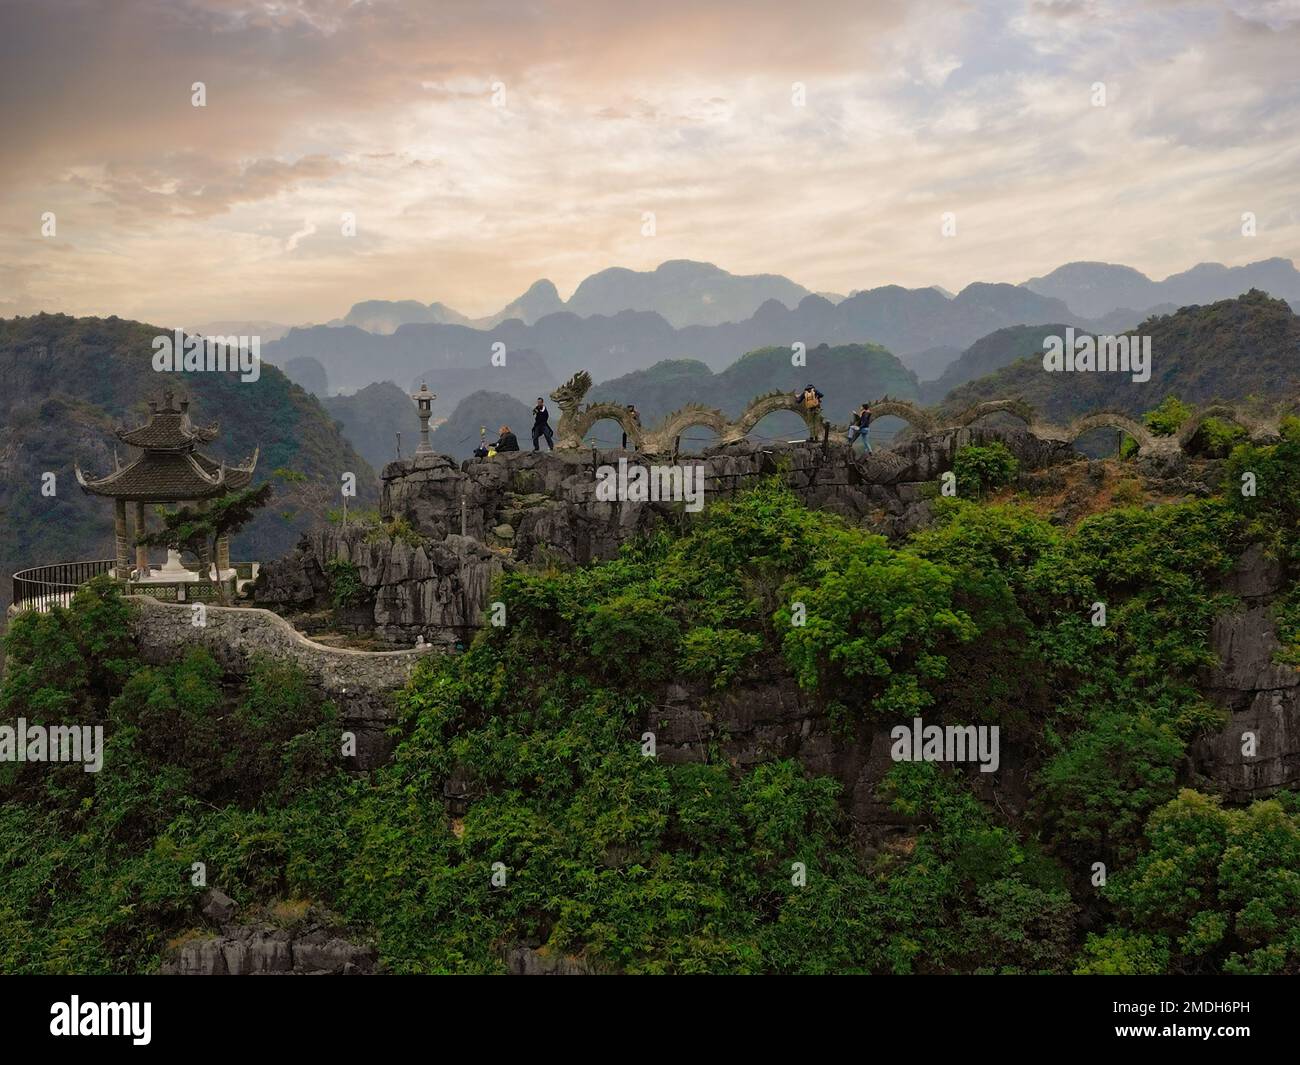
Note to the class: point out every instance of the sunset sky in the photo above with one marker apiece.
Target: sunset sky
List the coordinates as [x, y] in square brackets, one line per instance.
[179, 215]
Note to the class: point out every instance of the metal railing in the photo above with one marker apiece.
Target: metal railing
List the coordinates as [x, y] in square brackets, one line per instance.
[43, 587]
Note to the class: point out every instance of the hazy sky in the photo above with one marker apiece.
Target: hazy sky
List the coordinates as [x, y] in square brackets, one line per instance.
[178, 214]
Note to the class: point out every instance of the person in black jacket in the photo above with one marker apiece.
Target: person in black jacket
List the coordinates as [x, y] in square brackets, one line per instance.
[542, 426]
[507, 440]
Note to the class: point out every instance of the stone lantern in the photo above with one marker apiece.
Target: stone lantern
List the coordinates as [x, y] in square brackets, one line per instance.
[424, 401]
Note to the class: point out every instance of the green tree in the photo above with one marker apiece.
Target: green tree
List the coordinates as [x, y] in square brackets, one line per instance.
[197, 531]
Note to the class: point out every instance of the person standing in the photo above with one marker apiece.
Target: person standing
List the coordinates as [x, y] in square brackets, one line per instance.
[859, 427]
[634, 418]
[542, 426]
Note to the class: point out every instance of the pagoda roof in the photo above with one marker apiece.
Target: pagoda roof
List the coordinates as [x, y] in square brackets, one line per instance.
[168, 468]
[170, 477]
[168, 429]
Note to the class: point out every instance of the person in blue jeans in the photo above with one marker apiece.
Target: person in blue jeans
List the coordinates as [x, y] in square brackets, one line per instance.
[859, 427]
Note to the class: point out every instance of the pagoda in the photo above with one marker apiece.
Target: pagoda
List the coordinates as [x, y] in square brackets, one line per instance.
[169, 470]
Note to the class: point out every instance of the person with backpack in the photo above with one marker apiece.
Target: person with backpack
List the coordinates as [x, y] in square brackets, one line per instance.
[542, 426]
[859, 425]
[810, 399]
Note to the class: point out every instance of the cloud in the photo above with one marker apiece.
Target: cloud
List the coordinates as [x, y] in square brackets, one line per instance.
[384, 110]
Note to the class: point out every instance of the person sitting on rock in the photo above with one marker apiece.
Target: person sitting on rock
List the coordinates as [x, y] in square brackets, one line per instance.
[542, 426]
[506, 441]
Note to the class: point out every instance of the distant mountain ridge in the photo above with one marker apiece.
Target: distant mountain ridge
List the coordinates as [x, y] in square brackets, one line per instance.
[903, 320]
[1231, 350]
[683, 292]
[1093, 289]
[372, 419]
[988, 355]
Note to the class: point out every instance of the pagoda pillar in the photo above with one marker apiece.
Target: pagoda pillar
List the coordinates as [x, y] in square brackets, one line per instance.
[123, 563]
[141, 551]
[223, 555]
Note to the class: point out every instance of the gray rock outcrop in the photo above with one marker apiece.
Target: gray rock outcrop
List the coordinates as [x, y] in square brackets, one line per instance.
[1258, 751]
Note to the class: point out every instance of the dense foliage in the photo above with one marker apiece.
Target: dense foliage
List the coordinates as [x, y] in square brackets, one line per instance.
[643, 863]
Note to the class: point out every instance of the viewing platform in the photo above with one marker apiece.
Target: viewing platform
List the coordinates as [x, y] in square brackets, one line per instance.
[43, 587]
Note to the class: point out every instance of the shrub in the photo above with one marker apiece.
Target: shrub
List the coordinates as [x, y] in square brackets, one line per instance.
[985, 467]
[1168, 418]
[1128, 492]
[346, 587]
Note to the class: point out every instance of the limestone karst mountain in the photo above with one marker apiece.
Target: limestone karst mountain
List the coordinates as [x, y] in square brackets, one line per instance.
[1094, 289]
[903, 320]
[371, 419]
[460, 434]
[1236, 349]
[988, 355]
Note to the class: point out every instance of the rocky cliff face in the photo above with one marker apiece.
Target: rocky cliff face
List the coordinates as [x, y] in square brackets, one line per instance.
[433, 589]
[541, 507]
[1258, 751]
[301, 941]
[543, 504]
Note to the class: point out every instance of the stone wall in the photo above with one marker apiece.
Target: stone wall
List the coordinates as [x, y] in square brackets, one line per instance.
[360, 683]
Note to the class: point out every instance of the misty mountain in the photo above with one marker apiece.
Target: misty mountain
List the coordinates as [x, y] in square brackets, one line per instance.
[932, 362]
[540, 300]
[372, 418]
[385, 316]
[903, 320]
[268, 331]
[1230, 350]
[1094, 289]
[309, 375]
[683, 292]
[989, 354]
[524, 376]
